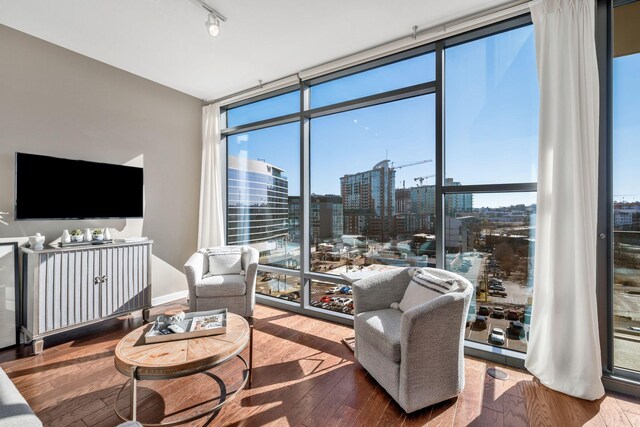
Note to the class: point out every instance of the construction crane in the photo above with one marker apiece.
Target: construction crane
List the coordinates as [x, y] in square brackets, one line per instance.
[419, 162]
[422, 178]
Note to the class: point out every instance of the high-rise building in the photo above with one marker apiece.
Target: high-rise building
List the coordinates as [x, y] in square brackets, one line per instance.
[295, 214]
[326, 216]
[415, 208]
[369, 201]
[626, 215]
[457, 203]
[258, 205]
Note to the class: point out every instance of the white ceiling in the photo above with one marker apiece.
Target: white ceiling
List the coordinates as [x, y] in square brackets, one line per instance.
[165, 40]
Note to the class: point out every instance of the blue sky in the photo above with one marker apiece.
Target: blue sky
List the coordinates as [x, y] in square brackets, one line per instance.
[491, 122]
[626, 128]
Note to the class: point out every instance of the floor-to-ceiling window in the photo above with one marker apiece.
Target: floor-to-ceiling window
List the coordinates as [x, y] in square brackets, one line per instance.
[490, 152]
[263, 189]
[372, 192]
[626, 187]
[393, 164]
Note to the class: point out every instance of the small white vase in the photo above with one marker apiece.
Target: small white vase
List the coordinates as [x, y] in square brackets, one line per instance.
[107, 235]
[66, 238]
[87, 235]
[37, 242]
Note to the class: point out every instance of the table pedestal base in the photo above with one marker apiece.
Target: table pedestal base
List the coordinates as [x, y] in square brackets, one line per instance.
[133, 385]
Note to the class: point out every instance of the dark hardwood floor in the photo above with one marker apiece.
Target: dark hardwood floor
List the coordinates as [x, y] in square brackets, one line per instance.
[303, 376]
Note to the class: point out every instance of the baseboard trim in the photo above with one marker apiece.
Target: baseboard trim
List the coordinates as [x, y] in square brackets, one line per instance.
[169, 298]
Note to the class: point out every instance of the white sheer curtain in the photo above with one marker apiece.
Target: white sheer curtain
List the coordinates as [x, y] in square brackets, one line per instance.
[211, 224]
[564, 348]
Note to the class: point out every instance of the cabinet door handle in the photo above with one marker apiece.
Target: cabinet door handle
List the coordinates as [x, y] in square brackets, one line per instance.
[103, 279]
[97, 280]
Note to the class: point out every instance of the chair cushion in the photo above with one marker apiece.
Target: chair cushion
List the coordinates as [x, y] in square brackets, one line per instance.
[424, 287]
[225, 285]
[381, 329]
[225, 260]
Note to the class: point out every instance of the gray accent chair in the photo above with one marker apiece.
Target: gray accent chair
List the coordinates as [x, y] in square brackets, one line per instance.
[235, 292]
[14, 410]
[416, 356]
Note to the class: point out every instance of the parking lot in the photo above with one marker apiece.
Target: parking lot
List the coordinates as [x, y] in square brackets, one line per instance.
[324, 295]
[516, 294]
[479, 332]
[332, 297]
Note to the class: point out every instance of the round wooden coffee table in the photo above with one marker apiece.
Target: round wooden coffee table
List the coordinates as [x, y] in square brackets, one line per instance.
[167, 360]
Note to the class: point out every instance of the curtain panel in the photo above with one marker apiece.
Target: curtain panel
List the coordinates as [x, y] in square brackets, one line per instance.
[564, 347]
[211, 220]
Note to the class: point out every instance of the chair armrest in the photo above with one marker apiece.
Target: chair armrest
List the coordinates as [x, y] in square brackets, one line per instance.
[379, 291]
[193, 269]
[251, 272]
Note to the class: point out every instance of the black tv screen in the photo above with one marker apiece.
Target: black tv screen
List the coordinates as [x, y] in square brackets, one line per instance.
[54, 188]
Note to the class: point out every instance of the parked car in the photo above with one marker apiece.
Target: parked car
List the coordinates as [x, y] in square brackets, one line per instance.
[325, 298]
[347, 309]
[495, 287]
[501, 294]
[516, 328]
[498, 312]
[333, 290]
[513, 315]
[316, 303]
[345, 290]
[291, 296]
[481, 321]
[497, 336]
[495, 281]
[483, 310]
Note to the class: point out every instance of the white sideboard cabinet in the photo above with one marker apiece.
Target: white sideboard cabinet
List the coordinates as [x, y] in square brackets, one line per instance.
[66, 288]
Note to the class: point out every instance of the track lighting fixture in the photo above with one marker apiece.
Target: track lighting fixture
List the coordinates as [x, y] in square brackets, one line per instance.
[212, 25]
[213, 20]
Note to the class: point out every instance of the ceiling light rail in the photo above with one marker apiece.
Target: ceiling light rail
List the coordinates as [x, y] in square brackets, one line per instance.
[418, 38]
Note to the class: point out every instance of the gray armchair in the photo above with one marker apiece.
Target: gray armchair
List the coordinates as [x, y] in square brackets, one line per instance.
[416, 356]
[234, 292]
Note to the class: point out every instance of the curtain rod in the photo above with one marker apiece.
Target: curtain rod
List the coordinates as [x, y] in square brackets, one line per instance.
[259, 86]
[425, 36]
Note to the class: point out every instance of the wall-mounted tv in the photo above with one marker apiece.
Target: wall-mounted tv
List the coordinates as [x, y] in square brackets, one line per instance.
[55, 188]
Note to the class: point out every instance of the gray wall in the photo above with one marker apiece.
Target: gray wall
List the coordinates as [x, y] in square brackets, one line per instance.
[56, 102]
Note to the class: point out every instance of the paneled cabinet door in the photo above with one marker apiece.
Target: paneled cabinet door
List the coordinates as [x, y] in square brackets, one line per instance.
[124, 278]
[67, 289]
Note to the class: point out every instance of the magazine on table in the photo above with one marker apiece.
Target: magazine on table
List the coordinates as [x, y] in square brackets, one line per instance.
[204, 323]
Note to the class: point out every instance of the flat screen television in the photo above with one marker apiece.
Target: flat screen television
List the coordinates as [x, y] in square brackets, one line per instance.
[55, 188]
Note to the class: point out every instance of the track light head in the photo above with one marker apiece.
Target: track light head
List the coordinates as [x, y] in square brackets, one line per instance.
[213, 25]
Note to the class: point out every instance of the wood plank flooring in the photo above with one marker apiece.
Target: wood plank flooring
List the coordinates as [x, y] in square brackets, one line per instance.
[303, 376]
